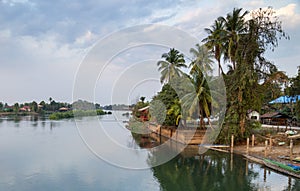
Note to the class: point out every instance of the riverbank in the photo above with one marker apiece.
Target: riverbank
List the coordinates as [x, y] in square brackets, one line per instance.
[18, 113]
[275, 153]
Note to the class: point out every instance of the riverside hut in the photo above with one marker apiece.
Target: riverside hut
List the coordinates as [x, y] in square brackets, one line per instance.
[144, 112]
[274, 118]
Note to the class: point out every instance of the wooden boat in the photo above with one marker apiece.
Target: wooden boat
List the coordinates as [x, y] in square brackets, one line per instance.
[297, 159]
[281, 167]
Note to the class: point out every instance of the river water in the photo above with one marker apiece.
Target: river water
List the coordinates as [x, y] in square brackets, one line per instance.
[39, 154]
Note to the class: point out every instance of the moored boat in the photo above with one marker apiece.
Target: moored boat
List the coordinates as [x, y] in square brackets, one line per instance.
[287, 169]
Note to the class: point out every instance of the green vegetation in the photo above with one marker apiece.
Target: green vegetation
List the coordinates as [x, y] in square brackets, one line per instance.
[169, 100]
[251, 80]
[244, 46]
[55, 110]
[76, 113]
[140, 104]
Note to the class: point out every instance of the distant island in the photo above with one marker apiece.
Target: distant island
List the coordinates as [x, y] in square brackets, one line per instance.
[58, 110]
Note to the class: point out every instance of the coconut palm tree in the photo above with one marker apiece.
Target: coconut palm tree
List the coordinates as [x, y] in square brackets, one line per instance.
[215, 41]
[170, 67]
[198, 101]
[202, 58]
[235, 26]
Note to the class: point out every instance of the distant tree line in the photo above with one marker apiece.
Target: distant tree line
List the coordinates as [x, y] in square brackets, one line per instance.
[47, 107]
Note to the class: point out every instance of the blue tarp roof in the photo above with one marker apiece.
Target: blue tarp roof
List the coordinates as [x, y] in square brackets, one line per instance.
[285, 99]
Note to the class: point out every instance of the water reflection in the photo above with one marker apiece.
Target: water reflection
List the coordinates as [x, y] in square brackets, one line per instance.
[52, 156]
[212, 171]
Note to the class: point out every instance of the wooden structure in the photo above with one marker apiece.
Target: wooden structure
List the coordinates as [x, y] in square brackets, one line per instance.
[274, 118]
[185, 136]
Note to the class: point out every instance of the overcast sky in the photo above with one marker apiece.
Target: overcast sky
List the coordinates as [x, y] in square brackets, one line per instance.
[43, 43]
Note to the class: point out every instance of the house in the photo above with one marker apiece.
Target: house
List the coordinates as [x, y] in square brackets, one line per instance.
[253, 115]
[63, 109]
[274, 118]
[25, 108]
[144, 112]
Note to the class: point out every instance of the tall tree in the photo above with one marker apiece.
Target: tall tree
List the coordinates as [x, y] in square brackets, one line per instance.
[16, 107]
[294, 87]
[215, 40]
[245, 45]
[202, 58]
[170, 67]
[234, 27]
[198, 101]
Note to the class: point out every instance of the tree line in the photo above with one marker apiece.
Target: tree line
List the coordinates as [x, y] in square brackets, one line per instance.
[48, 107]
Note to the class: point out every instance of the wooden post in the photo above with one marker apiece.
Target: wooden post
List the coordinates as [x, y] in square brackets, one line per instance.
[231, 161]
[291, 149]
[247, 150]
[271, 143]
[159, 134]
[247, 167]
[232, 143]
[253, 140]
[265, 174]
[266, 147]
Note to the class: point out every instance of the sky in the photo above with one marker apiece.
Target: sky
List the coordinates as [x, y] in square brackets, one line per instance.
[45, 44]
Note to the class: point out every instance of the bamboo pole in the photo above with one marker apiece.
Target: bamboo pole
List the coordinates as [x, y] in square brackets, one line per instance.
[271, 143]
[253, 140]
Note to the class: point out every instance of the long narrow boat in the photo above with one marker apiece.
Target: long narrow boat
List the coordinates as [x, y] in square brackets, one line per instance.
[297, 159]
[283, 168]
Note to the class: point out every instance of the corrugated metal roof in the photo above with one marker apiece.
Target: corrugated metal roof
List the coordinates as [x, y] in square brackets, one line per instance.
[285, 99]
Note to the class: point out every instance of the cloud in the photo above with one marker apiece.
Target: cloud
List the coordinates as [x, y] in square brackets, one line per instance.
[86, 39]
[43, 42]
[289, 16]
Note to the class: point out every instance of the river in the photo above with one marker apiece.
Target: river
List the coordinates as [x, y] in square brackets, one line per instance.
[39, 154]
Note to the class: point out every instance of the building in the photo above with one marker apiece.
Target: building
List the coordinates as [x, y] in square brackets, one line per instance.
[253, 115]
[144, 112]
[286, 99]
[63, 109]
[274, 118]
[25, 109]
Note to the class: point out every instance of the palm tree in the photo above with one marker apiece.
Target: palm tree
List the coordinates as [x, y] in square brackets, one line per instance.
[235, 26]
[215, 41]
[198, 101]
[170, 67]
[202, 58]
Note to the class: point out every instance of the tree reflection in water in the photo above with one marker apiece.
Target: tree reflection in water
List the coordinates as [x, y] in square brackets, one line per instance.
[210, 171]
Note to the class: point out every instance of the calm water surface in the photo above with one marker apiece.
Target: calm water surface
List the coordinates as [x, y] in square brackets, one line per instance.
[50, 155]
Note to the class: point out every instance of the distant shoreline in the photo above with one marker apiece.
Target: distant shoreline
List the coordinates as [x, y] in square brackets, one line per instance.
[19, 113]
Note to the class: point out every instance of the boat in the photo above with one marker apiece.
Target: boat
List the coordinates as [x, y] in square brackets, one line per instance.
[296, 159]
[287, 169]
